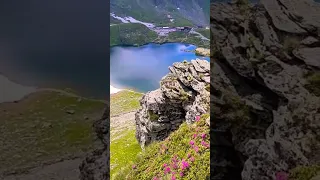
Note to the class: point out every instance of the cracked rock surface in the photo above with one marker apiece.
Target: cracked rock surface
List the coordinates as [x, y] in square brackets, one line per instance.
[183, 94]
[263, 108]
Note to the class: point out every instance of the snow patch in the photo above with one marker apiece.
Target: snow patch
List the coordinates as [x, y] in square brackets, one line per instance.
[11, 91]
[114, 90]
[130, 19]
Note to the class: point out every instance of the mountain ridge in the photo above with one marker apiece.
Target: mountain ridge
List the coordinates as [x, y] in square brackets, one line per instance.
[196, 12]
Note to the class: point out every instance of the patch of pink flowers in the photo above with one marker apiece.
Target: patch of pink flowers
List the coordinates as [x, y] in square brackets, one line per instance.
[184, 164]
[155, 178]
[282, 176]
[174, 159]
[203, 136]
[173, 177]
[196, 148]
[167, 170]
[181, 174]
[194, 136]
[192, 159]
[197, 118]
[134, 166]
[174, 165]
[191, 142]
[203, 143]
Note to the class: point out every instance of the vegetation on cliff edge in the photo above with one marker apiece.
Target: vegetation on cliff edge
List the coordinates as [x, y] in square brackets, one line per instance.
[185, 154]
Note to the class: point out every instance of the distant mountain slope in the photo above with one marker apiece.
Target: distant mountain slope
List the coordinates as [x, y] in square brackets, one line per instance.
[189, 12]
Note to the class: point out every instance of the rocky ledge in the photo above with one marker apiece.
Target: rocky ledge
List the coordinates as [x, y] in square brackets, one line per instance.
[265, 87]
[202, 52]
[96, 165]
[183, 94]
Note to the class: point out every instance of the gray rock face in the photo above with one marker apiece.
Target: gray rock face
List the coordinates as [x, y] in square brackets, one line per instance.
[183, 94]
[311, 56]
[96, 165]
[259, 94]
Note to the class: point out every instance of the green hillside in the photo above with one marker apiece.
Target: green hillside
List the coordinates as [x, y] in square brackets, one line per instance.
[189, 12]
[183, 155]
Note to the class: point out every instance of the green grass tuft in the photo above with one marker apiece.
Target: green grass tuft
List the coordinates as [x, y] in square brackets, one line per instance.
[153, 116]
[304, 172]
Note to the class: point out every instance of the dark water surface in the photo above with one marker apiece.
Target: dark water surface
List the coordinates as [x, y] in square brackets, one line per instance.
[141, 68]
[56, 44]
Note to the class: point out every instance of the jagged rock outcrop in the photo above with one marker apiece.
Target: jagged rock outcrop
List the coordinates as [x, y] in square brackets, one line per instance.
[96, 165]
[263, 55]
[183, 94]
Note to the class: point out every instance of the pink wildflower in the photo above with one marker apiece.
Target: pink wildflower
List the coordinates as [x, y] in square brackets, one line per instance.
[167, 170]
[189, 155]
[192, 159]
[197, 118]
[155, 178]
[174, 159]
[173, 177]
[184, 164]
[203, 143]
[165, 165]
[134, 166]
[181, 174]
[191, 143]
[281, 176]
[194, 136]
[196, 148]
[174, 166]
[203, 136]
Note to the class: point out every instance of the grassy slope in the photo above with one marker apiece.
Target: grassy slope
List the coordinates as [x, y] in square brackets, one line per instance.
[38, 129]
[131, 34]
[148, 12]
[138, 34]
[124, 101]
[204, 32]
[184, 38]
[123, 151]
[124, 146]
[150, 164]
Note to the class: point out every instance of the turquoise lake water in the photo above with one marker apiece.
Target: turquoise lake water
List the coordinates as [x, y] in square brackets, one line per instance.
[141, 68]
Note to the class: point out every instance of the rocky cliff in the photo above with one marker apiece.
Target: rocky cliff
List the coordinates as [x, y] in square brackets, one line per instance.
[183, 95]
[265, 87]
[96, 165]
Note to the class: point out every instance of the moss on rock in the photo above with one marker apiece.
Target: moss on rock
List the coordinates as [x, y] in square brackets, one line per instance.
[304, 172]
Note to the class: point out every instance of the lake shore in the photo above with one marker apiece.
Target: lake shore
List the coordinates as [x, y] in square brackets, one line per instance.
[12, 91]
